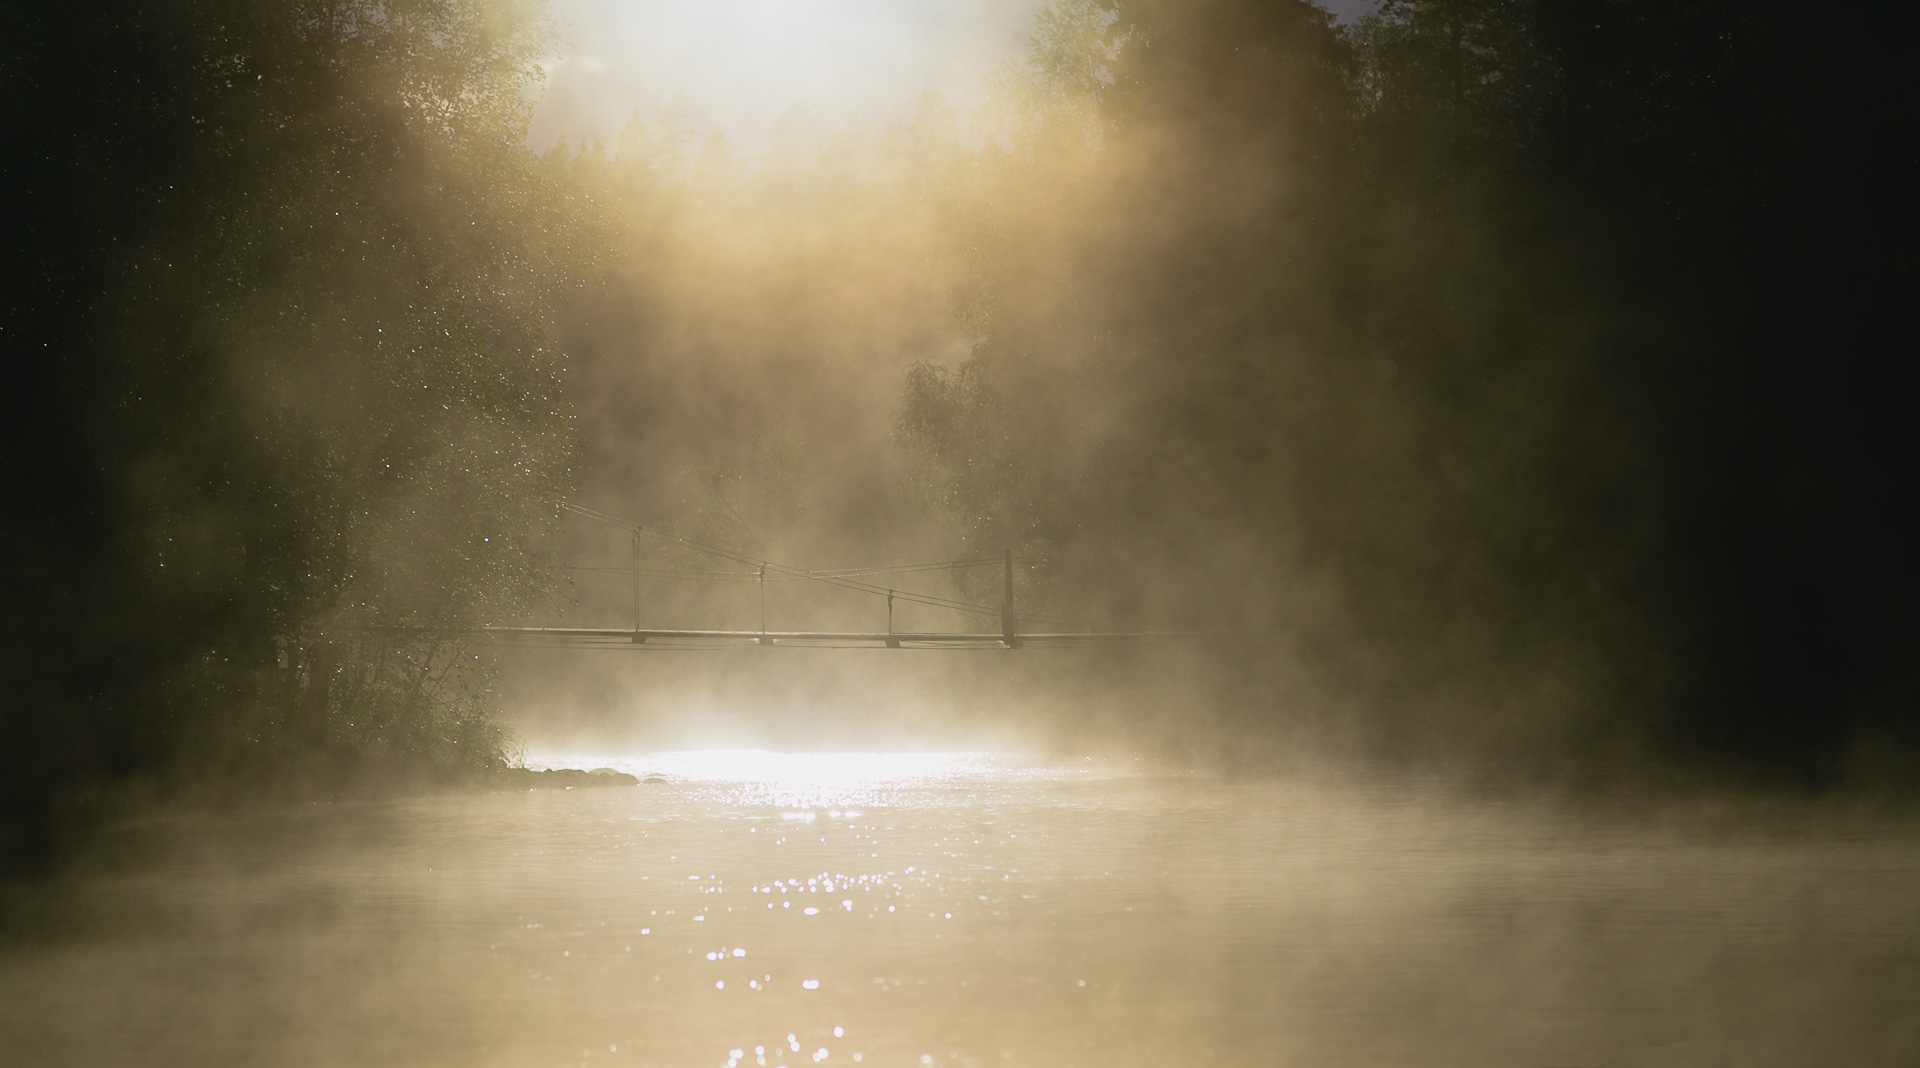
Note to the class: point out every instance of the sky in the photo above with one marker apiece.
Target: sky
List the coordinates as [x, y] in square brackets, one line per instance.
[743, 63]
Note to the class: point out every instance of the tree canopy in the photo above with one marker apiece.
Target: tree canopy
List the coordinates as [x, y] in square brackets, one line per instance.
[1528, 374]
[1522, 366]
[280, 288]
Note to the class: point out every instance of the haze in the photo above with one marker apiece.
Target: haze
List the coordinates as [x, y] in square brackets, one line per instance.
[741, 64]
[1162, 532]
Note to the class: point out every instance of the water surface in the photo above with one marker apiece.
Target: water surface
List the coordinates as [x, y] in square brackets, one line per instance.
[966, 909]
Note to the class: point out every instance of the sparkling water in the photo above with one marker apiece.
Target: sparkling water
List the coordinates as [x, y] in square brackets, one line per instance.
[913, 910]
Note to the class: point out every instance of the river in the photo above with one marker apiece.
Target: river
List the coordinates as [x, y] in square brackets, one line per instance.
[914, 910]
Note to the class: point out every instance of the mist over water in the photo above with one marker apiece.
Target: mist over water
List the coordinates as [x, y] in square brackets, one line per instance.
[956, 909]
[1163, 532]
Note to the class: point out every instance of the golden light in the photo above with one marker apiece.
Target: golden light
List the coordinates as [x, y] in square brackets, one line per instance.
[741, 64]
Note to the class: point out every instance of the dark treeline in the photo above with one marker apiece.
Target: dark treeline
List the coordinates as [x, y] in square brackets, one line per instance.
[1532, 379]
[1538, 369]
[278, 285]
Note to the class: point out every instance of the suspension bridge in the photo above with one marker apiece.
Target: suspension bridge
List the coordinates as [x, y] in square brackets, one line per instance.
[1014, 630]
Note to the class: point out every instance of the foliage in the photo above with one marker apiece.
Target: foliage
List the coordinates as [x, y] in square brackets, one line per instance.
[1050, 101]
[1436, 346]
[290, 276]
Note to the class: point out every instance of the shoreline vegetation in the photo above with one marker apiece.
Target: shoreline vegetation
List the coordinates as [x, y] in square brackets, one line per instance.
[290, 278]
[1530, 363]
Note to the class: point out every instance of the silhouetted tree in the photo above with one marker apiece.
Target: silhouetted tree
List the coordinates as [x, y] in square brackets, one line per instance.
[286, 273]
[1536, 350]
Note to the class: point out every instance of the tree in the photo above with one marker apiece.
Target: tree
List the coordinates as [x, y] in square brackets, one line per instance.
[1458, 336]
[289, 274]
[673, 137]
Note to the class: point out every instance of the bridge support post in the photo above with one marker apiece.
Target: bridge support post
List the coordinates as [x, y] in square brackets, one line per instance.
[1009, 623]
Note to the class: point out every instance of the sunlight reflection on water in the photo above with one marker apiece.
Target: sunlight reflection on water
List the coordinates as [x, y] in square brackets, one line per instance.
[956, 909]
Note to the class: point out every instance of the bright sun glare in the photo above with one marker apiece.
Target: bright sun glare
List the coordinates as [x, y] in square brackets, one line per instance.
[743, 63]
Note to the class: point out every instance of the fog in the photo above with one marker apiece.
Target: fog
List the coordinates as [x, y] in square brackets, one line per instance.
[1083, 310]
[1033, 533]
[955, 909]
[1266, 326]
[738, 66]
[1424, 368]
